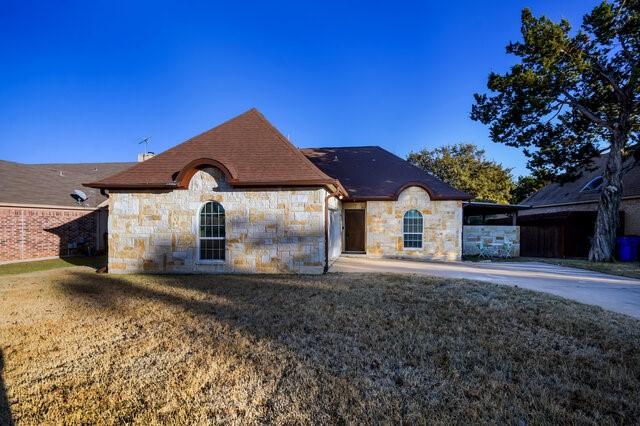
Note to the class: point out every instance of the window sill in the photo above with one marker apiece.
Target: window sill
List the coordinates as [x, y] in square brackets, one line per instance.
[210, 262]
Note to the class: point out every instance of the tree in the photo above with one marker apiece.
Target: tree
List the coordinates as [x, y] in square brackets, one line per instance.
[524, 187]
[465, 167]
[570, 97]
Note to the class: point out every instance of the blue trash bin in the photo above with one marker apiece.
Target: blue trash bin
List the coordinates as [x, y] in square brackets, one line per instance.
[636, 246]
[627, 248]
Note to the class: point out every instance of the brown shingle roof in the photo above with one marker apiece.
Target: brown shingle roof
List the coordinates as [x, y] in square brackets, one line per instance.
[251, 150]
[370, 172]
[570, 192]
[53, 184]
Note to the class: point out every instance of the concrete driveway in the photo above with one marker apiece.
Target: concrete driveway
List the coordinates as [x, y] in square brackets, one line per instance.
[618, 294]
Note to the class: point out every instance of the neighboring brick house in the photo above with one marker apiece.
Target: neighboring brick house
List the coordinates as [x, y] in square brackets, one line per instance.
[39, 218]
[241, 198]
[561, 219]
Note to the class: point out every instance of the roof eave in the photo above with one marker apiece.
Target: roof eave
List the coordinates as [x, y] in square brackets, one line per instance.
[106, 185]
[395, 198]
[334, 184]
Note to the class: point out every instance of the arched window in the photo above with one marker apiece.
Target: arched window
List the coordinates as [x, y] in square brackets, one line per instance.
[412, 229]
[594, 184]
[211, 232]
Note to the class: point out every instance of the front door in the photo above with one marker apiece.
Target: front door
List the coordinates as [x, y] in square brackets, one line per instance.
[354, 230]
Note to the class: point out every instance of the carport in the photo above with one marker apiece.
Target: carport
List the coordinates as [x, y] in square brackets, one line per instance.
[490, 228]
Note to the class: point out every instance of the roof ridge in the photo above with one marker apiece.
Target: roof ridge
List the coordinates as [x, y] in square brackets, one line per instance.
[350, 146]
[246, 136]
[67, 164]
[78, 164]
[289, 145]
[191, 139]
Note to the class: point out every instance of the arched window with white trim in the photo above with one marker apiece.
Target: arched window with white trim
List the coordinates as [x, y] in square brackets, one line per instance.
[412, 229]
[211, 232]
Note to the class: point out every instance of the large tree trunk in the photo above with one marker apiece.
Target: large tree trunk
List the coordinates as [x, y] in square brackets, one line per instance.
[604, 237]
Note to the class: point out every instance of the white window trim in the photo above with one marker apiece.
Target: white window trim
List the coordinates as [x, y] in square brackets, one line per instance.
[421, 233]
[200, 261]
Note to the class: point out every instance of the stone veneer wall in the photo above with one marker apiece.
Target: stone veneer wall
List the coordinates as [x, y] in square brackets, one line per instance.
[493, 238]
[267, 231]
[442, 221]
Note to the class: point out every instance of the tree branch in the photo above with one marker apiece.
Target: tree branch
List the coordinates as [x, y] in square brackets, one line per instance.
[629, 166]
[560, 105]
[622, 96]
[587, 112]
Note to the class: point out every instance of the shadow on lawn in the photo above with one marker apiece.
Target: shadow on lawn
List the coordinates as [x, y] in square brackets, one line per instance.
[265, 306]
[389, 343]
[281, 315]
[5, 407]
[107, 291]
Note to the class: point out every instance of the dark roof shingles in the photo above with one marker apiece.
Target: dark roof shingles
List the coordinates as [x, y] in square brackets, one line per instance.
[370, 172]
[53, 184]
[248, 144]
[570, 192]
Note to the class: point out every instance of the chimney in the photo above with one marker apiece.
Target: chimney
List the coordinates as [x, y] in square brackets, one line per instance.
[145, 156]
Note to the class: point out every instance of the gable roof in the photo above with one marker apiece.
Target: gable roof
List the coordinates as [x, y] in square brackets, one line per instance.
[372, 173]
[570, 192]
[53, 184]
[247, 148]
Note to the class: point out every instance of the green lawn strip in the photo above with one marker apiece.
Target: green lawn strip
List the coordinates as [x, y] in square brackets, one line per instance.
[623, 269]
[43, 265]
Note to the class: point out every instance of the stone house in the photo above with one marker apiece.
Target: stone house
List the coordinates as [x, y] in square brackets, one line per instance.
[241, 198]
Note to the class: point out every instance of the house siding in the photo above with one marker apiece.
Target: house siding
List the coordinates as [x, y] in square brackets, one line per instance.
[442, 227]
[267, 230]
[630, 207]
[29, 233]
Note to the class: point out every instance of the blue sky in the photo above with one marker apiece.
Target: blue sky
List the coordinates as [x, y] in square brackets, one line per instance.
[84, 81]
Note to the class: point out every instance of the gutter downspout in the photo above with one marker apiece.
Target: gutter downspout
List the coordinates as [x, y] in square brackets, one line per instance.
[326, 228]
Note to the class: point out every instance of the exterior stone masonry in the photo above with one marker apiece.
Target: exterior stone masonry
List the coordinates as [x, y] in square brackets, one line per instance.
[267, 230]
[28, 233]
[442, 226]
[493, 238]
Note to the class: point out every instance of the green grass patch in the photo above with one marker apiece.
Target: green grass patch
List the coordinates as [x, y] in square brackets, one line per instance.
[43, 265]
[623, 269]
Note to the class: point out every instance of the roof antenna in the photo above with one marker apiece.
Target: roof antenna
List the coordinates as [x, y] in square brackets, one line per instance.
[145, 141]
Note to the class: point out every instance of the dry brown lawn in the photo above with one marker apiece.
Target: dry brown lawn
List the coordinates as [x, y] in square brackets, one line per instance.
[85, 348]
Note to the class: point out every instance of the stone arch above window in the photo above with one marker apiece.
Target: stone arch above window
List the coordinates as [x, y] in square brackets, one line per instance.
[184, 177]
[209, 179]
[412, 229]
[211, 232]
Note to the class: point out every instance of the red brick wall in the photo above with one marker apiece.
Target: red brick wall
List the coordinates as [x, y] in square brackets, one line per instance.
[29, 233]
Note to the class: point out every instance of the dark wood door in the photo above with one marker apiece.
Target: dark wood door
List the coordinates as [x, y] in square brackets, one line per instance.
[354, 230]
